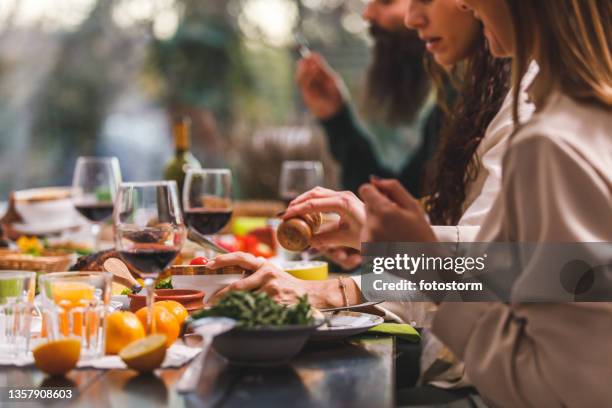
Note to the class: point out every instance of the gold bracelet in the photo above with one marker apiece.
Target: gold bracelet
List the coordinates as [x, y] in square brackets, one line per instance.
[343, 289]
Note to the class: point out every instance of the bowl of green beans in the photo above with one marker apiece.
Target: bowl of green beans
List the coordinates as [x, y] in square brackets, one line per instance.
[266, 332]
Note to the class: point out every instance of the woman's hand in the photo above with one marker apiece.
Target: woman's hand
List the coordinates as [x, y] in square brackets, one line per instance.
[346, 230]
[278, 284]
[393, 215]
[320, 86]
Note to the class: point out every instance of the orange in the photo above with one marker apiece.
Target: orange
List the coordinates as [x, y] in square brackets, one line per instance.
[165, 323]
[175, 308]
[57, 357]
[122, 328]
[145, 355]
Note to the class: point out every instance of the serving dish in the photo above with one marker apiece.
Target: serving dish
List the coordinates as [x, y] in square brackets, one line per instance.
[47, 206]
[209, 284]
[264, 346]
[191, 299]
[199, 277]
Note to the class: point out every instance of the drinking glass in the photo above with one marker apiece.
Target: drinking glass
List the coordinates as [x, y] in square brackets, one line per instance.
[149, 231]
[207, 199]
[16, 306]
[94, 187]
[75, 304]
[297, 177]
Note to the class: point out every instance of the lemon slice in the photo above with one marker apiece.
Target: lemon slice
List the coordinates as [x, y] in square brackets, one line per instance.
[57, 357]
[145, 355]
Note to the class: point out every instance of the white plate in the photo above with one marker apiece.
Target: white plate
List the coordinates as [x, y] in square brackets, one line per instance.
[346, 323]
[45, 205]
[45, 229]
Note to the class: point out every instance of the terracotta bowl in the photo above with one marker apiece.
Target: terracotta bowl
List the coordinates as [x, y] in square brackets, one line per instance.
[190, 298]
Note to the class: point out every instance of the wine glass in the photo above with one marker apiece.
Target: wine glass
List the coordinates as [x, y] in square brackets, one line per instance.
[149, 230]
[297, 177]
[207, 199]
[94, 185]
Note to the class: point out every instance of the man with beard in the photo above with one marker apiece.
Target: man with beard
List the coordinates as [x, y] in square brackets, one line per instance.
[396, 92]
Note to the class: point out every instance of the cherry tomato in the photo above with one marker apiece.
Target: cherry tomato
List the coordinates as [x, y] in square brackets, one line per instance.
[200, 260]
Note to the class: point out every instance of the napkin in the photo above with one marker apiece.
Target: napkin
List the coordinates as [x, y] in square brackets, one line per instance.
[403, 331]
[7, 359]
[176, 356]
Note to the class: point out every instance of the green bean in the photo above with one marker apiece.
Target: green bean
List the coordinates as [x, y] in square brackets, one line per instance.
[251, 309]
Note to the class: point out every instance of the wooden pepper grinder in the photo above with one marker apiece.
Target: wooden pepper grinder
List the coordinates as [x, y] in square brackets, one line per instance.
[295, 234]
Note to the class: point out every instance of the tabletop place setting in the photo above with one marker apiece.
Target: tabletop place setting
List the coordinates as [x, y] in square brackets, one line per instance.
[305, 203]
[139, 296]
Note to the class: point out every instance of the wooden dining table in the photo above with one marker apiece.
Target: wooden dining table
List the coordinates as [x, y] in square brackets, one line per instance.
[355, 372]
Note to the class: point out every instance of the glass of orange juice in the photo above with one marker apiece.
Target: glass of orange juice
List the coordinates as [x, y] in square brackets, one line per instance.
[75, 305]
[16, 306]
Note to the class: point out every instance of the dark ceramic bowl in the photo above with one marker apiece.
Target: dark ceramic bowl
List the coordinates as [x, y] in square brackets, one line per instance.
[263, 346]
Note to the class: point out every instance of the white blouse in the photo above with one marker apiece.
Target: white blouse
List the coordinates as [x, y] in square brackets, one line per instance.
[557, 187]
[480, 195]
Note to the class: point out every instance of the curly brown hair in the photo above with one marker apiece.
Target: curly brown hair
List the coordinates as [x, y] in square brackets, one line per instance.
[484, 83]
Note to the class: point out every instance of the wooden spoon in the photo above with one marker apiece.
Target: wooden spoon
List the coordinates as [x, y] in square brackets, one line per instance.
[121, 274]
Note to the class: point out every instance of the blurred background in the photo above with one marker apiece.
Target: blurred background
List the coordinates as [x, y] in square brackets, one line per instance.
[105, 77]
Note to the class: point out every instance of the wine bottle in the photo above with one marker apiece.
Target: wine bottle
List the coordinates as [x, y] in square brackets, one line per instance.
[183, 159]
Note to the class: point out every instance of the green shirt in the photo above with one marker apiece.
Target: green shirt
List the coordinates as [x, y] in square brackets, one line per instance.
[350, 145]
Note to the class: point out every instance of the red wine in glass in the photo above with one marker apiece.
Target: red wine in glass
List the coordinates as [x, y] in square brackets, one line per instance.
[297, 177]
[208, 221]
[207, 200]
[149, 231]
[152, 259]
[94, 184]
[96, 212]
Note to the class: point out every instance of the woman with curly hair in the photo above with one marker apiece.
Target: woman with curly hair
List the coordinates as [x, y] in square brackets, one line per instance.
[465, 177]
[475, 140]
[539, 348]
